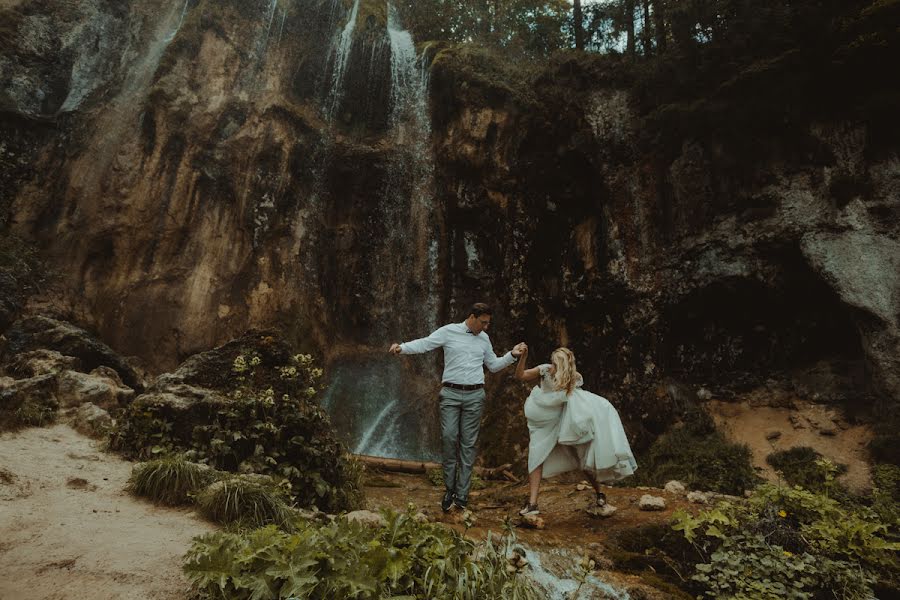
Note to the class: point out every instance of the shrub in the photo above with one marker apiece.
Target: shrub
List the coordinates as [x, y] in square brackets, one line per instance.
[341, 559]
[751, 567]
[286, 435]
[247, 500]
[789, 543]
[32, 414]
[170, 480]
[699, 456]
[803, 466]
[886, 495]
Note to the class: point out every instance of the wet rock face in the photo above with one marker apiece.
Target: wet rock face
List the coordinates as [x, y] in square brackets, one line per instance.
[193, 173]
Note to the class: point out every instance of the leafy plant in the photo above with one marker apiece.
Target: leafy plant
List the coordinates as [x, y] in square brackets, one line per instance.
[750, 567]
[699, 456]
[341, 559]
[252, 501]
[803, 466]
[170, 480]
[886, 496]
[789, 543]
[270, 424]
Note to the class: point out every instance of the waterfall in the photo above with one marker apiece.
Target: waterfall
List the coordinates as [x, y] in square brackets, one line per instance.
[411, 124]
[380, 410]
[341, 55]
[121, 113]
[364, 398]
[174, 32]
[271, 17]
[383, 428]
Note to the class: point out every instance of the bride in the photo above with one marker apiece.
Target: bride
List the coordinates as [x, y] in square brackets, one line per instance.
[570, 428]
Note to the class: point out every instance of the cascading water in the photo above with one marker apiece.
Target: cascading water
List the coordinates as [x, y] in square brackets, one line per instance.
[411, 123]
[121, 116]
[562, 585]
[270, 17]
[184, 10]
[341, 56]
[370, 399]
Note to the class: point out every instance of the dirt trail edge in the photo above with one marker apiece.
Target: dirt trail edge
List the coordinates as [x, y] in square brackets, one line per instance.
[68, 529]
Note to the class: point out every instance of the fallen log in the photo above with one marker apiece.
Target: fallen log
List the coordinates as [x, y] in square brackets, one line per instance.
[396, 465]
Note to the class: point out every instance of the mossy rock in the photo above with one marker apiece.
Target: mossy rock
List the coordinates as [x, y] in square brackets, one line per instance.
[28, 402]
[259, 414]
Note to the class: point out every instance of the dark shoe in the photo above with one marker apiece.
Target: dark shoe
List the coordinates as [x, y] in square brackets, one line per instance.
[461, 503]
[601, 499]
[529, 509]
[447, 500]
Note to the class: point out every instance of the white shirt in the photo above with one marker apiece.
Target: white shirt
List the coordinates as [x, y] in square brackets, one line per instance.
[465, 354]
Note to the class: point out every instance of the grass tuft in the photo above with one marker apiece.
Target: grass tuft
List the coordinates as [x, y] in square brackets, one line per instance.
[251, 501]
[170, 480]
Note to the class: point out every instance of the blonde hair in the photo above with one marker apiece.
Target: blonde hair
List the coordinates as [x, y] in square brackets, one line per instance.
[566, 377]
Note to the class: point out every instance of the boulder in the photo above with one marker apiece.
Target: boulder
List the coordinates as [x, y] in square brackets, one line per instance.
[214, 369]
[602, 512]
[40, 362]
[367, 518]
[532, 522]
[183, 406]
[651, 503]
[92, 421]
[44, 333]
[31, 401]
[674, 487]
[698, 497]
[76, 388]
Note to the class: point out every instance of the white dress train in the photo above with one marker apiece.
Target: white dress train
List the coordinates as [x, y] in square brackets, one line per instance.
[577, 431]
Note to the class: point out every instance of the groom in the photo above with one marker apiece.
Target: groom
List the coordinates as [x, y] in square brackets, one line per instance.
[467, 350]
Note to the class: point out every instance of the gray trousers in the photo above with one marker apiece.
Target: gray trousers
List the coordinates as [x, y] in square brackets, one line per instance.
[460, 422]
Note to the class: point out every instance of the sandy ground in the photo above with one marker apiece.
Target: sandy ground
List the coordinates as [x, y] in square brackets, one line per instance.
[800, 424]
[68, 530]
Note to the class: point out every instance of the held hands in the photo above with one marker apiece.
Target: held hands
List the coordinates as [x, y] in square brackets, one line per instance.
[395, 348]
[519, 350]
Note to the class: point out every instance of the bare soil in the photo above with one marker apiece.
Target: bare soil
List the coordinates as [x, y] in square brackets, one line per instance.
[766, 429]
[69, 530]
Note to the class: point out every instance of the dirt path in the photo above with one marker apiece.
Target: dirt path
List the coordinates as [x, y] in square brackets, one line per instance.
[68, 530]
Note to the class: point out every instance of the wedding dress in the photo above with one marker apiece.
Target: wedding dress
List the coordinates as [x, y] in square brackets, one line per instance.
[577, 431]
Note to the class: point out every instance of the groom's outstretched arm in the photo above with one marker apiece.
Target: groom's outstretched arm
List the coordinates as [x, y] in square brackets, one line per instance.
[494, 364]
[422, 345]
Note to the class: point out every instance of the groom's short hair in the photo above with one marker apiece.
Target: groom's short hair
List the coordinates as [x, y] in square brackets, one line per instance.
[480, 308]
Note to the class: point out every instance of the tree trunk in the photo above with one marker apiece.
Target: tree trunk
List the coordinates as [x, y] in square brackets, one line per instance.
[578, 23]
[396, 465]
[659, 25]
[646, 29]
[629, 26]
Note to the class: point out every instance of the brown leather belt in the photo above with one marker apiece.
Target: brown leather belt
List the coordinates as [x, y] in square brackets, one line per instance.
[462, 386]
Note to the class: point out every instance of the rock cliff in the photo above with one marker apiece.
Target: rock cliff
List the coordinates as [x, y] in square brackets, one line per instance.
[191, 170]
